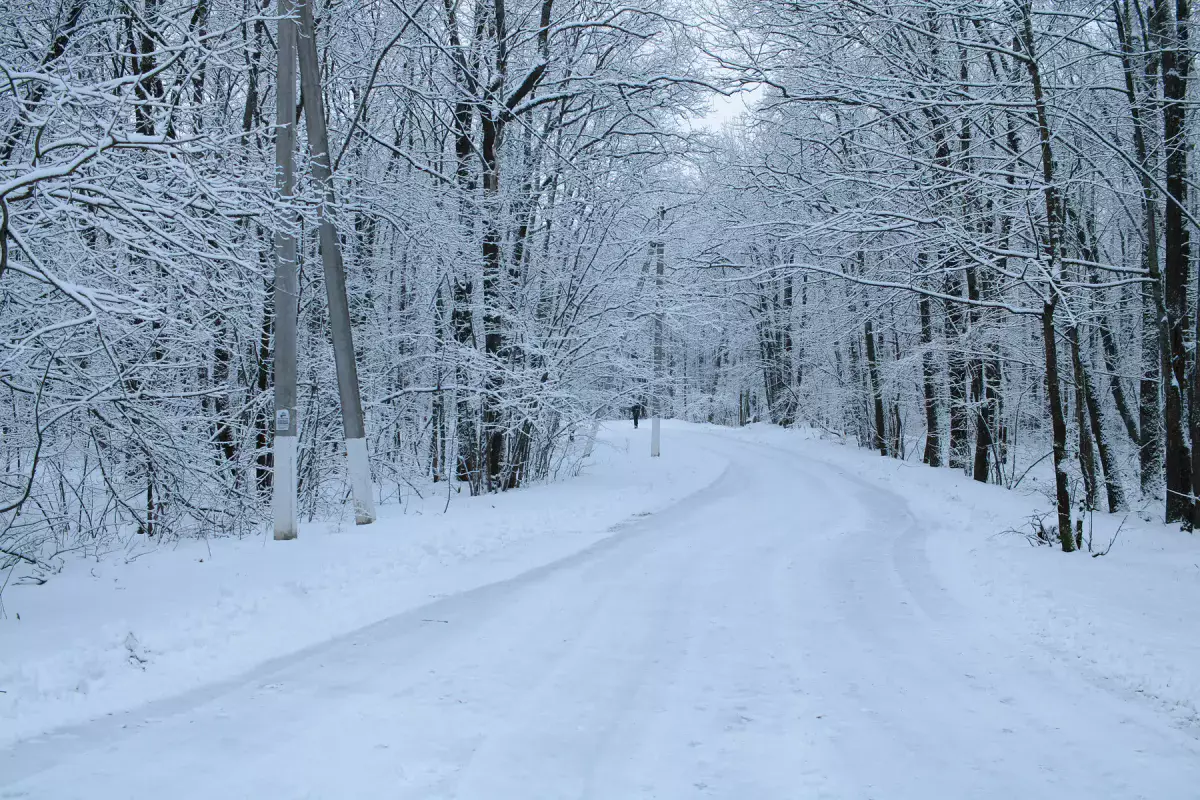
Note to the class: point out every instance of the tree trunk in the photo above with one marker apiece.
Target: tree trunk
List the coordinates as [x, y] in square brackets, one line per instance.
[467, 467]
[1112, 478]
[1054, 221]
[1058, 425]
[933, 439]
[1176, 255]
[980, 398]
[148, 90]
[897, 421]
[1087, 455]
[880, 423]
[1112, 363]
[493, 320]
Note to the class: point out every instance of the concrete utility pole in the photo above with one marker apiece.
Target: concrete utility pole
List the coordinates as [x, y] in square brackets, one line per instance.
[335, 274]
[287, 289]
[656, 423]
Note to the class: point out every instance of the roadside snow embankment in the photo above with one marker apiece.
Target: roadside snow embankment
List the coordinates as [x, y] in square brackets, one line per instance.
[108, 635]
[1124, 620]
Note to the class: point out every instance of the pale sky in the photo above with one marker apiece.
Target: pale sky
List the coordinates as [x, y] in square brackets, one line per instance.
[726, 109]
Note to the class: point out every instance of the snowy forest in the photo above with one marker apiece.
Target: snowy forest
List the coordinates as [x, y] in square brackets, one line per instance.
[599, 399]
[442, 239]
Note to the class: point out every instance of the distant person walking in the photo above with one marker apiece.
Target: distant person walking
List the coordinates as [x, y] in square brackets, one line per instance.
[637, 412]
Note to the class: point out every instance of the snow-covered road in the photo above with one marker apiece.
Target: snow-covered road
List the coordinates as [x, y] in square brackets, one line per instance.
[780, 635]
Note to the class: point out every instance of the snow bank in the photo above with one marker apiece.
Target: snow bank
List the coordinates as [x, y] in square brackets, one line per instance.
[1125, 620]
[108, 635]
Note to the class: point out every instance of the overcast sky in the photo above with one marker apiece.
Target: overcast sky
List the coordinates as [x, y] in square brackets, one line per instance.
[726, 109]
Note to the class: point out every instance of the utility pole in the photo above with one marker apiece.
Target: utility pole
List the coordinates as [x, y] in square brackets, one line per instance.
[335, 274]
[287, 289]
[656, 422]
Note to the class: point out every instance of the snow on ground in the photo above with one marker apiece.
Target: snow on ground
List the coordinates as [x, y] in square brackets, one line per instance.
[759, 614]
[1125, 619]
[105, 635]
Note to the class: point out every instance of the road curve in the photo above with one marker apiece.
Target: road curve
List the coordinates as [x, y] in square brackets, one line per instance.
[781, 635]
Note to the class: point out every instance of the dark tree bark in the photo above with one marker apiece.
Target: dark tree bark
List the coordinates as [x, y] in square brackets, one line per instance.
[467, 466]
[980, 393]
[1058, 425]
[493, 337]
[1112, 363]
[1176, 61]
[933, 439]
[880, 431]
[1114, 493]
[895, 418]
[264, 462]
[1087, 455]
[1053, 247]
[141, 55]
[494, 117]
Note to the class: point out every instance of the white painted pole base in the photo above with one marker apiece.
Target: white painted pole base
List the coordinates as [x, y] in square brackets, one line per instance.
[284, 484]
[655, 435]
[360, 481]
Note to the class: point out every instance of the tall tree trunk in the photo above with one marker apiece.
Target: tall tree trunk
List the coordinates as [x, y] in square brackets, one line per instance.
[1179, 139]
[493, 318]
[933, 439]
[1176, 61]
[980, 399]
[141, 53]
[1112, 363]
[1087, 455]
[1054, 238]
[1058, 425]
[467, 465]
[222, 356]
[1112, 478]
[880, 431]
[897, 421]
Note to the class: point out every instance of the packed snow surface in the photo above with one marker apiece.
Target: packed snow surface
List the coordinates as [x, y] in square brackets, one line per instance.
[757, 614]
